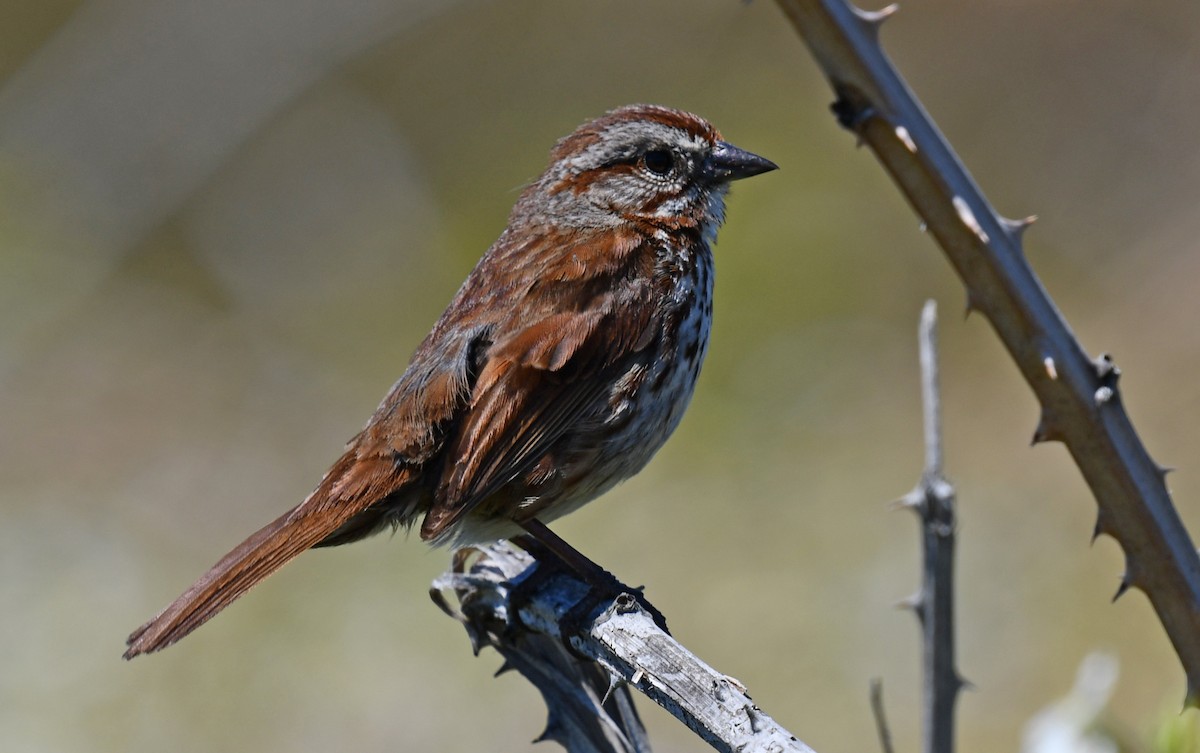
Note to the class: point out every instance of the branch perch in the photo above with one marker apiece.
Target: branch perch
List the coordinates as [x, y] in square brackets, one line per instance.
[619, 645]
[1080, 403]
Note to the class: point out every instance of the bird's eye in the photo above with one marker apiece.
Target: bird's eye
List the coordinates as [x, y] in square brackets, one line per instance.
[659, 161]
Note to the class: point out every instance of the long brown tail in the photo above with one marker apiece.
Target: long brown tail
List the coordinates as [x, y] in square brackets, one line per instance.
[349, 488]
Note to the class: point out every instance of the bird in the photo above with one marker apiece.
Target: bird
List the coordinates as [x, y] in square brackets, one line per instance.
[560, 367]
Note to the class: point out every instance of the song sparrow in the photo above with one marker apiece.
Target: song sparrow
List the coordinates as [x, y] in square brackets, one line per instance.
[561, 366]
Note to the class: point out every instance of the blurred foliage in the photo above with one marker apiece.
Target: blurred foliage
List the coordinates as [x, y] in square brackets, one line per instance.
[1177, 733]
[224, 226]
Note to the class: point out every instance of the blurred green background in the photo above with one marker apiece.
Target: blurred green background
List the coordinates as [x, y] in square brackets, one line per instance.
[224, 227]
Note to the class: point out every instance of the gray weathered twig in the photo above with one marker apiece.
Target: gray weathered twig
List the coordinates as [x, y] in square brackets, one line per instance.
[588, 713]
[933, 502]
[1081, 406]
[621, 645]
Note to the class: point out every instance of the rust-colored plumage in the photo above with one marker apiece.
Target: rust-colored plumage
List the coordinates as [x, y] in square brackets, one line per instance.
[561, 366]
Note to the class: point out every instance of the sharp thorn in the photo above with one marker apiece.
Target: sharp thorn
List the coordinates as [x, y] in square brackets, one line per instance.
[1016, 228]
[877, 17]
[1123, 587]
[1129, 579]
[1046, 430]
[1191, 700]
[477, 641]
[1163, 470]
[911, 501]
[614, 682]
[553, 731]
[970, 305]
[915, 603]
[1099, 528]
[505, 667]
[964, 683]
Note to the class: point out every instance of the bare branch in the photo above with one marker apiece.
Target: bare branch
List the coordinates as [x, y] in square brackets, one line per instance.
[588, 711]
[881, 725]
[933, 501]
[931, 394]
[1080, 403]
[618, 643]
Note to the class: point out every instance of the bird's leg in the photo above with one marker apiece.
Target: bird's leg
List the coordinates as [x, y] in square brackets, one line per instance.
[550, 542]
[541, 542]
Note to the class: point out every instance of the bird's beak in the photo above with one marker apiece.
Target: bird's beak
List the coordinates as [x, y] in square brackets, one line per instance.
[727, 162]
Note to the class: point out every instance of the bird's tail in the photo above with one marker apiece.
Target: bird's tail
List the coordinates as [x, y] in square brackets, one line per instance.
[349, 489]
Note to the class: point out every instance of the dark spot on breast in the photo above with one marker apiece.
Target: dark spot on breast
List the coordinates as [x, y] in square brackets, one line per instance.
[690, 351]
[661, 379]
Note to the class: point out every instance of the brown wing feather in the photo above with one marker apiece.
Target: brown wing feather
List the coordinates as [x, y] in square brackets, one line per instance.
[535, 387]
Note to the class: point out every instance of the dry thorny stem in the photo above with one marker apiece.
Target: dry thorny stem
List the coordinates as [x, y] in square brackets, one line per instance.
[1080, 403]
[933, 502]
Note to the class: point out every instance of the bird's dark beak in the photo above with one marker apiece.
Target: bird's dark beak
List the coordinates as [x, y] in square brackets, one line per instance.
[727, 162]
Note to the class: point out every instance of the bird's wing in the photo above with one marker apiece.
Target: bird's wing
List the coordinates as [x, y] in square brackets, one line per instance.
[540, 383]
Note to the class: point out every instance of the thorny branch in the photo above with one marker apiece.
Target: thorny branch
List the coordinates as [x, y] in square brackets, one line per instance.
[933, 502]
[1081, 405]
